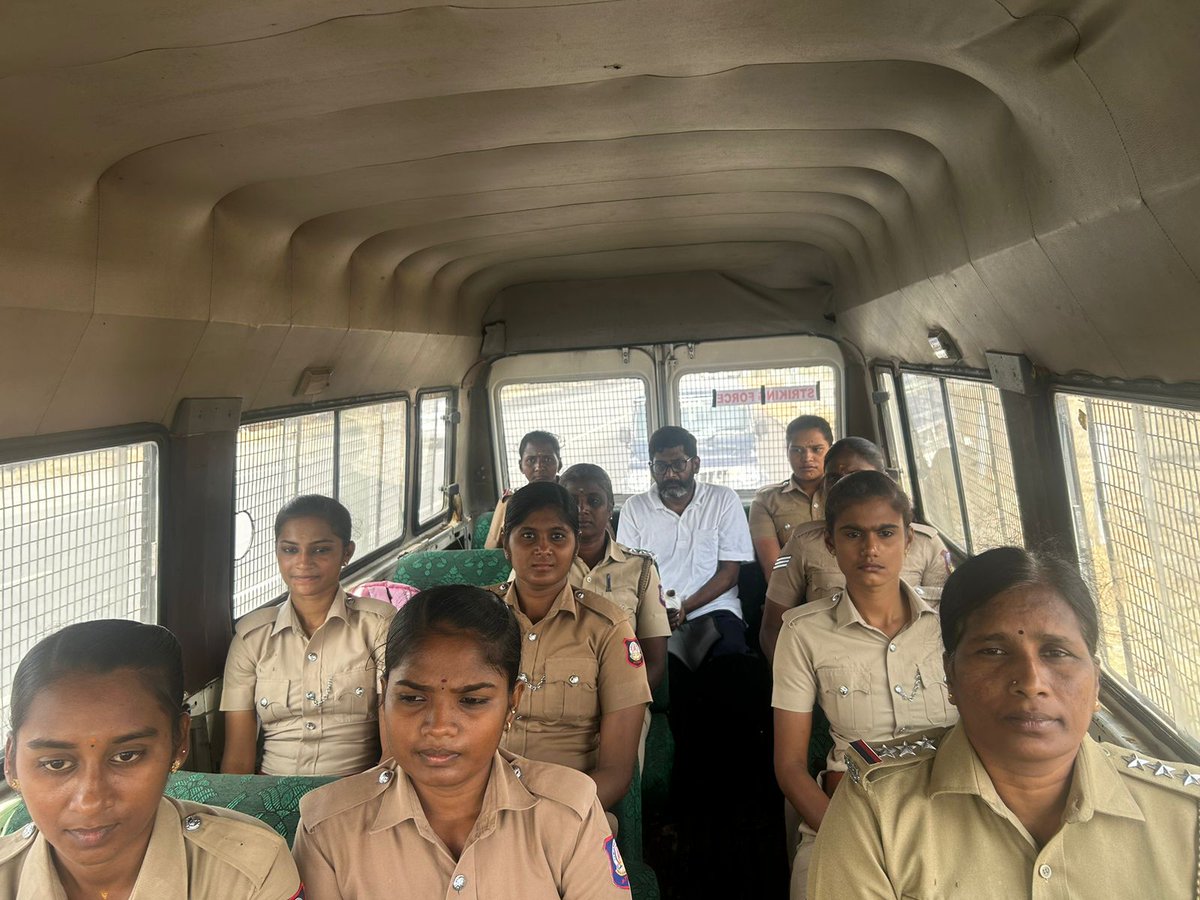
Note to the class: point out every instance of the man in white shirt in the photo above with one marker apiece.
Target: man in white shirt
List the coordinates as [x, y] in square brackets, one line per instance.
[699, 535]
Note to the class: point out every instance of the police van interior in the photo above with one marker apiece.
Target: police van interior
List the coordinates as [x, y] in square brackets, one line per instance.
[253, 250]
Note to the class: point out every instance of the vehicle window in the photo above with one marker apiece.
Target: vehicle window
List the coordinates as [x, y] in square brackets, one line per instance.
[372, 453]
[78, 540]
[739, 418]
[897, 453]
[599, 420]
[963, 460]
[1134, 473]
[276, 460]
[432, 411]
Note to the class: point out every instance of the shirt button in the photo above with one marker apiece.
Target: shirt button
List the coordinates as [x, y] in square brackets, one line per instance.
[385, 776]
[1045, 871]
[310, 726]
[899, 689]
[29, 830]
[358, 692]
[574, 679]
[192, 823]
[264, 702]
[891, 648]
[311, 695]
[312, 657]
[533, 635]
[459, 882]
[843, 690]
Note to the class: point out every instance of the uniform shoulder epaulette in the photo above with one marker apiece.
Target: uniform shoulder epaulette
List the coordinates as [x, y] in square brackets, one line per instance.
[12, 845]
[257, 619]
[927, 530]
[346, 793]
[808, 529]
[1172, 776]
[238, 840]
[610, 609]
[499, 589]
[816, 607]
[866, 762]
[768, 488]
[370, 605]
[508, 492]
[637, 551]
[569, 787]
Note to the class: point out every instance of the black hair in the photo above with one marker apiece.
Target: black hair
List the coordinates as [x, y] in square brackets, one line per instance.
[316, 506]
[98, 648]
[540, 495]
[456, 609]
[976, 582]
[809, 423]
[589, 472]
[672, 436]
[868, 485]
[865, 450]
[540, 437]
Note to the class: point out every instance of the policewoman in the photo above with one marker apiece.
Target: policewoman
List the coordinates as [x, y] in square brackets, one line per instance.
[1016, 800]
[627, 576]
[97, 725]
[306, 671]
[777, 510]
[806, 570]
[451, 815]
[870, 656]
[540, 459]
[584, 670]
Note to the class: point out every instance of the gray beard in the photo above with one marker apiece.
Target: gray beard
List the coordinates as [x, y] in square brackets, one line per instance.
[675, 491]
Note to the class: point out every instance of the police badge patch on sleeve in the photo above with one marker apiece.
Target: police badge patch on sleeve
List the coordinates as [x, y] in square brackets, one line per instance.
[633, 652]
[619, 876]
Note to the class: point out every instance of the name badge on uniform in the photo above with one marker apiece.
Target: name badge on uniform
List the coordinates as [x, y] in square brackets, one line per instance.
[619, 876]
[633, 652]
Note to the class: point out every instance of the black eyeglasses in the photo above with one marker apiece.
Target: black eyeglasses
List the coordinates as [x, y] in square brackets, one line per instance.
[678, 466]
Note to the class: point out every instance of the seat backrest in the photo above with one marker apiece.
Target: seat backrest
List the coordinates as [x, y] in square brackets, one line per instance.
[429, 568]
[483, 524]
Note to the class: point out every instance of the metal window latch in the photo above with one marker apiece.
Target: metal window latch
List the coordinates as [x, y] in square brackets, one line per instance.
[625, 355]
[691, 347]
[452, 417]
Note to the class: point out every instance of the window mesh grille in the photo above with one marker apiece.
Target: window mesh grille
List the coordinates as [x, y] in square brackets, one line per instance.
[600, 421]
[897, 453]
[985, 465]
[930, 436]
[1135, 474]
[372, 441]
[78, 541]
[434, 473]
[745, 446]
[276, 460]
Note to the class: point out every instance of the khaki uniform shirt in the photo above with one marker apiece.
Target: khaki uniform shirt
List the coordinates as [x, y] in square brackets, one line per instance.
[869, 686]
[807, 571]
[579, 662]
[317, 698]
[540, 833]
[923, 824]
[779, 509]
[492, 541]
[617, 576]
[195, 851]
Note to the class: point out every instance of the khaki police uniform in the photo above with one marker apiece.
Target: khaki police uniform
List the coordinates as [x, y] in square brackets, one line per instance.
[316, 697]
[806, 571]
[195, 851]
[620, 576]
[922, 818]
[580, 661]
[779, 509]
[492, 541]
[540, 833]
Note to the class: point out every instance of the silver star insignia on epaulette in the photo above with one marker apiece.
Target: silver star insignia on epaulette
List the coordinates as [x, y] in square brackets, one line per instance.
[926, 744]
[1164, 771]
[1189, 778]
[1133, 761]
[907, 749]
[887, 752]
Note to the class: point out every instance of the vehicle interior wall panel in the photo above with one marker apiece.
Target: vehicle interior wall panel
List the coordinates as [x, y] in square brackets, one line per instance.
[361, 169]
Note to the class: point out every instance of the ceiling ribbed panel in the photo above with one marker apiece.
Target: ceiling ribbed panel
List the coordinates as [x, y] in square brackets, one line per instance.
[208, 198]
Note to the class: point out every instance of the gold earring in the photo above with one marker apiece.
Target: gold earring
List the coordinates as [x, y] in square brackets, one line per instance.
[176, 766]
[15, 784]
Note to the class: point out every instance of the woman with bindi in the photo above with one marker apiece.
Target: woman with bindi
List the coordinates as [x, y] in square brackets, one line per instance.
[98, 724]
[870, 656]
[1017, 800]
[305, 673]
[451, 813]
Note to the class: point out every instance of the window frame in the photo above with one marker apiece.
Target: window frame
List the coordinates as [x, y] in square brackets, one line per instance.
[420, 526]
[1181, 397]
[278, 413]
[903, 453]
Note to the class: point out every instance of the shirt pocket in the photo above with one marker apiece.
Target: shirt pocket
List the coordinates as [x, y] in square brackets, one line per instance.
[938, 709]
[706, 542]
[572, 690]
[272, 702]
[354, 694]
[845, 696]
